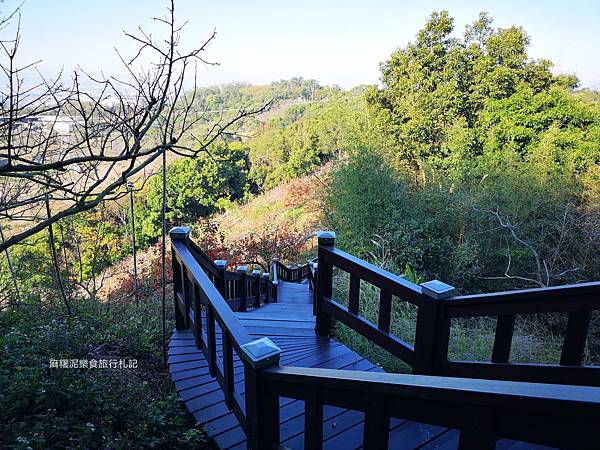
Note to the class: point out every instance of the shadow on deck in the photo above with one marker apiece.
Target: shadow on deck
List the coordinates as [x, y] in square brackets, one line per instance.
[290, 324]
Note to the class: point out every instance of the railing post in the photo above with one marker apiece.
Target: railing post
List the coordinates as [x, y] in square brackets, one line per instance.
[256, 276]
[222, 281]
[266, 276]
[315, 285]
[433, 329]
[262, 405]
[275, 279]
[326, 241]
[243, 271]
[178, 234]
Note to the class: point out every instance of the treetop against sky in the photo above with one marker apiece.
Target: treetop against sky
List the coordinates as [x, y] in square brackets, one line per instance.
[339, 42]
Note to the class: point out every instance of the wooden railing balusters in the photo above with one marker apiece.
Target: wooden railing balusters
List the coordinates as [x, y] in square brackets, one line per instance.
[256, 277]
[479, 434]
[354, 294]
[265, 277]
[227, 369]
[243, 287]
[275, 279]
[212, 340]
[314, 278]
[269, 417]
[185, 288]
[180, 321]
[221, 278]
[505, 326]
[377, 423]
[575, 338]
[313, 420]
[385, 310]
[198, 311]
[326, 240]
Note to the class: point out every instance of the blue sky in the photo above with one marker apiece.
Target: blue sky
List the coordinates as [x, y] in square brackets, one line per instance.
[338, 42]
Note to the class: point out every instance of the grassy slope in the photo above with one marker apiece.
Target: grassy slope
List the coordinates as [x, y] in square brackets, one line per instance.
[290, 205]
[534, 341]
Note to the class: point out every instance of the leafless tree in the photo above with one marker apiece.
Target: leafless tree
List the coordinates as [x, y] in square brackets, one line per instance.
[77, 148]
[549, 251]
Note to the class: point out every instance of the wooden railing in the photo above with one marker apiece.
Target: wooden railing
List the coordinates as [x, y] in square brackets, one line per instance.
[294, 274]
[483, 410]
[578, 301]
[241, 288]
[437, 307]
[200, 307]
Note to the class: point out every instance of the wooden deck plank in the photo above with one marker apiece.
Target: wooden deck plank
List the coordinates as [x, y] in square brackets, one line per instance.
[290, 324]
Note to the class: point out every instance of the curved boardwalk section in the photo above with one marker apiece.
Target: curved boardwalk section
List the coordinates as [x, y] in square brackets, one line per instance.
[290, 324]
[295, 387]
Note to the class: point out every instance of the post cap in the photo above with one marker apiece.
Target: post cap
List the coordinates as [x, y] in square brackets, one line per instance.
[242, 269]
[326, 238]
[260, 353]
[325, 234]
[266, 274]
[256, 272]
[221, 263]
[180, 233]
[437, 289]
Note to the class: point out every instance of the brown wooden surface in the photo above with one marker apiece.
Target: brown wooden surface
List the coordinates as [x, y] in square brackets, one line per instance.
[290, 324]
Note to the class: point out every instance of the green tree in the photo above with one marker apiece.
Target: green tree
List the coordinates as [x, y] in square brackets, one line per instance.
[196, 188]
[488, 173]
[435, 89]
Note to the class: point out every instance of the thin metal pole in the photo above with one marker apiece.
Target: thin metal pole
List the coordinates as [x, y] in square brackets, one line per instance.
[164, 255]
[135, 274]
[59, 281]
[11, 268]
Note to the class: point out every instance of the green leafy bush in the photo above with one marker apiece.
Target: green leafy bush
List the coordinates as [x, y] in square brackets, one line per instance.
[45, 407]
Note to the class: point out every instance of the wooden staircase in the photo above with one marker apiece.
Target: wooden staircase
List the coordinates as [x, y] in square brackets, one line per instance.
[314, 392]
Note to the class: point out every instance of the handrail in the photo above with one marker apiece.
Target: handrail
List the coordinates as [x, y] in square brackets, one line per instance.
[221, 309]
[291, 274]
[377, 276]
[483, 410]
[203, 259]
[196, 297]
[539, 300]
[436, 309]
[578, 300]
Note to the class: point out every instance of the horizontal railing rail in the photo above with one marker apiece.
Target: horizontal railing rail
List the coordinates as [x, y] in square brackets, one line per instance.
[293, 274]
[483, 410]
[436, 308]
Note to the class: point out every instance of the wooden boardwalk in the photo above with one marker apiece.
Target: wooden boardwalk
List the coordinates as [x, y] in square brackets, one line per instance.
[290, 324]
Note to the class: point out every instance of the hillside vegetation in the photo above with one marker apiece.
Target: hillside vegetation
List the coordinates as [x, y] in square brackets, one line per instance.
[471, 163]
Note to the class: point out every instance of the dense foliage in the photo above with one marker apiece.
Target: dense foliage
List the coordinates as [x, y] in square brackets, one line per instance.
[486, 170]
[47, 407]
[196, 188]
[306, 136]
